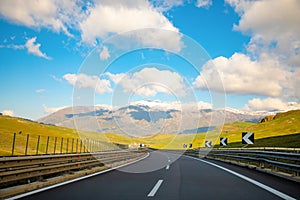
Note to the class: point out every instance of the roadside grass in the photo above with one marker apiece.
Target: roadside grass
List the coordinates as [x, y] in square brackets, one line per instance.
[291, 141]
[71, 138]
[286, 124]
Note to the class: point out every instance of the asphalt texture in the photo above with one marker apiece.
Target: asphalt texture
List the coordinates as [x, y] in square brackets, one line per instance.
[174, 178]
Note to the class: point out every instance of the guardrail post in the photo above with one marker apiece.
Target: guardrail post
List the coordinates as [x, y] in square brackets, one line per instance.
[87, 145]
[13, 144]
[91, 145]
[72, 144]
[47, 145]
[261, 165]
[67, 145]
[26, 147]
[38, 144]
[84, 146]
[80, 146]
[77, 145]
[55, 140]
[61, 144]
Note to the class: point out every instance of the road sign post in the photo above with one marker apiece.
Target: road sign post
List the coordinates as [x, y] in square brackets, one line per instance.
[208, 144]
[247, 138]
[223, 141]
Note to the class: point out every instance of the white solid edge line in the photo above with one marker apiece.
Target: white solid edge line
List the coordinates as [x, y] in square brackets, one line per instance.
[155, 188]
[74, 180]
[265, 187]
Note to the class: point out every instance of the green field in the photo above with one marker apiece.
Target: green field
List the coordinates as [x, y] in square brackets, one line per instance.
[291, 141]
[285, 124]
[22, 128]
[283, 131]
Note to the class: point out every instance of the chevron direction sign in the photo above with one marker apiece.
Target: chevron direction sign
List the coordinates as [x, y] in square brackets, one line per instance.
[223, 141]
[247, 138]
[208, 144]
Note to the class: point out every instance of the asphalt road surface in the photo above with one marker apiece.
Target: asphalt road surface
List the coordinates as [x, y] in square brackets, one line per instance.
[175, 178]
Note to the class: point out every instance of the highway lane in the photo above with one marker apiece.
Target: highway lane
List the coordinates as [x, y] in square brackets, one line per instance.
[183, 178]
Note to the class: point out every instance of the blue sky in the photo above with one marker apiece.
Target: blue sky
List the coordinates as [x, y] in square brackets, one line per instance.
[51, 48]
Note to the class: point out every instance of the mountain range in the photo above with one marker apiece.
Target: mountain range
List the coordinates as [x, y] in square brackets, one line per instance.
[148, 118]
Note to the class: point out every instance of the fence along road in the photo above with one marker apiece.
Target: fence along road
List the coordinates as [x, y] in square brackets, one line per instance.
[26, 144]
[184, 178]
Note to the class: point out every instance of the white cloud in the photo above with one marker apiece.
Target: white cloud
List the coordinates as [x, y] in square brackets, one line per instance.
[8, 113]
[174, 104]
[112, 17]
[84, 81]
[31, 46]
[116, 78]
[104, 54]
[52, 110]
[40, 90]
[270, 104]
[292, 85]
[95, 20]
[272, 25]
[13, 46]
[34, 49]
[275, 31]
[55, 15]
[241, 75]
[55, 78]
[204, 3]
[166, 5]
[150, 81]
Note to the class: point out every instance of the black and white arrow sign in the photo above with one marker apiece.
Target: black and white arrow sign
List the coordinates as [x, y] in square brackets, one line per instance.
[208, 144]
[223, 141]
[247, 138]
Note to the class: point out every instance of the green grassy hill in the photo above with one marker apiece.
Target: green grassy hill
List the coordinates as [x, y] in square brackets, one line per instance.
[282, 131]
[279, 132]
[284, 124]
[11, 125]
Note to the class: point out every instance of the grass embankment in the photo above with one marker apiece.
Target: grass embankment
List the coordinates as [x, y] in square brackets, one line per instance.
[11, 125]
[291, 141]
[286, 125]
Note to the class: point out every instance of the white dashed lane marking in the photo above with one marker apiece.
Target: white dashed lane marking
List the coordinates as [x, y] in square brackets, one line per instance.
[155, 188]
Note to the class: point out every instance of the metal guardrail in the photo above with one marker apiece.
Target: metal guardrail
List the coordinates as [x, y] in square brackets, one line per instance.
[276, 161]
[31, 144]
[16, 170]
[279, 149]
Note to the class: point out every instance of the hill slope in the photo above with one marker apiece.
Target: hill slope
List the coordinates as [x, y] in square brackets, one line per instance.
[11, 125]
[283, 124]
